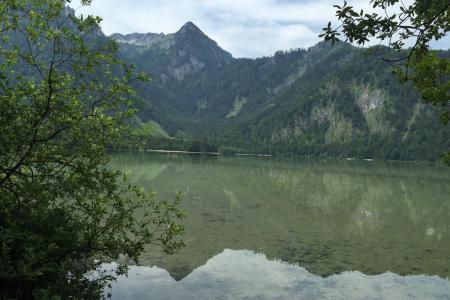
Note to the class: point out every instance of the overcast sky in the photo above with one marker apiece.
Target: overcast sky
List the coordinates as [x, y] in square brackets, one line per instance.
[245, 28]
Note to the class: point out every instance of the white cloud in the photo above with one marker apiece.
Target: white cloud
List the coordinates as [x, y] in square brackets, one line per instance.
[246, 28]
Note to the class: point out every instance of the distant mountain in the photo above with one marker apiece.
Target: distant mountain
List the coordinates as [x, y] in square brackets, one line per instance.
[174, 56]
[333, 101]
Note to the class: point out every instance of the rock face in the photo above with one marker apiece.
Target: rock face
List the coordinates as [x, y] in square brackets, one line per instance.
[139, 39]
[185, 52]
[190, 28]
[323, 98]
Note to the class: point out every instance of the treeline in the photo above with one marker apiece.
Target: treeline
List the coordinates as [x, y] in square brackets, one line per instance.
[339, 101]
[375, 147]
[175, 144]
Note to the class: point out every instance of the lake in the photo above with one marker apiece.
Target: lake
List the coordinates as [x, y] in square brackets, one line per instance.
[264, 228]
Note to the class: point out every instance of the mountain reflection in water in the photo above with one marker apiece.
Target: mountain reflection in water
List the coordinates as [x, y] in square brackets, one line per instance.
[328, 216]
[245, 274]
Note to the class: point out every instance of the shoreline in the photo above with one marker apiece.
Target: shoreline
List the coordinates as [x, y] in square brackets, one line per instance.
[193, 152]
[369, 160]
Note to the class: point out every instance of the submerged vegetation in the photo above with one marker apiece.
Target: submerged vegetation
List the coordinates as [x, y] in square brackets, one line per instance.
[326, 215]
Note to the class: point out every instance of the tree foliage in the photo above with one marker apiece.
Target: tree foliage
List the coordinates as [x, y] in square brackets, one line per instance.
[64, 98]
[271, 104]
[412, 27]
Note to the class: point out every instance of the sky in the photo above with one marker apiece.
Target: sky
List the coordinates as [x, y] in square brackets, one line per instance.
[245, 28]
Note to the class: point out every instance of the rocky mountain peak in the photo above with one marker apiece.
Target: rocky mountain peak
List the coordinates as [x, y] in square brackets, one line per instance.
[192, 40]
[185, 52]
[190, 28]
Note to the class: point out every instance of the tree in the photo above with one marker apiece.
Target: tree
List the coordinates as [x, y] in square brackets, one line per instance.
[64, 99]
[398, 24]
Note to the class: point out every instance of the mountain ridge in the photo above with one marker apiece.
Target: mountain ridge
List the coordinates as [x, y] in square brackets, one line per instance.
[324, 100]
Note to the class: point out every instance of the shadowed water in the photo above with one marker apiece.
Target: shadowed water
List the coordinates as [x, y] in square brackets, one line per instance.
[326, 216]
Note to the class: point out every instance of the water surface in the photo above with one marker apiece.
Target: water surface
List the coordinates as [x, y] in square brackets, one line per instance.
[243, 274]
[327, 217]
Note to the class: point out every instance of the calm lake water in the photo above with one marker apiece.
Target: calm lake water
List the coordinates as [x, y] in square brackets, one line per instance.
[261, 228]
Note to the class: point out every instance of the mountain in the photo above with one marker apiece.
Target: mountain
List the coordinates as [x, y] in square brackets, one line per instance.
[174, 56]
[326, 100]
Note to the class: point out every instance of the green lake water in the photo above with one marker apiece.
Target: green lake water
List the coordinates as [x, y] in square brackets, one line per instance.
[262, 228]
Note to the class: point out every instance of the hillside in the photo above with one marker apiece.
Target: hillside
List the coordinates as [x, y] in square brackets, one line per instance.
[331, 101]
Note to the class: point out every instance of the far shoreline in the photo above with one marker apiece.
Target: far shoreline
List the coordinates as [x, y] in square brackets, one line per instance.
[368, 160]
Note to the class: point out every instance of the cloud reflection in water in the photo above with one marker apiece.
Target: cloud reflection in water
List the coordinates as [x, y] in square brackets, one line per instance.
[245, 274]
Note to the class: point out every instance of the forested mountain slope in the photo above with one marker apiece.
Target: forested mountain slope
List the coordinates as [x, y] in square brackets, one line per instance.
[333, 101]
